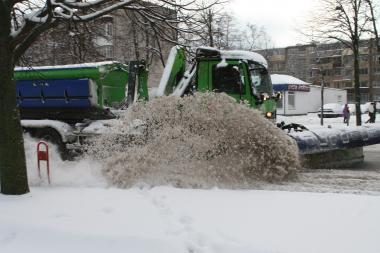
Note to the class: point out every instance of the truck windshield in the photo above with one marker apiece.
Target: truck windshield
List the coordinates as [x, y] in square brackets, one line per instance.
[261, 82]
[228, 79]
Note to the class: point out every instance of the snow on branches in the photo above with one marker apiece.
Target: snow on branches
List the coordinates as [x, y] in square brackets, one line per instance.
[39, 13]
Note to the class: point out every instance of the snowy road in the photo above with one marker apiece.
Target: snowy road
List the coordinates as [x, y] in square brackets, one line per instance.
[362, 179]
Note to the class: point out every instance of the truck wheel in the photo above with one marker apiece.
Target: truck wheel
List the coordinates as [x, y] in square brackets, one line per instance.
[50, 135]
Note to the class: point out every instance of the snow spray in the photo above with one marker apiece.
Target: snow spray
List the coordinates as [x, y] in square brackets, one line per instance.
[201, 141]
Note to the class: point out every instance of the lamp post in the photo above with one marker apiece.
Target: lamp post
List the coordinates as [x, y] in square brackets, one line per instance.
[322, 96]
[320, 72]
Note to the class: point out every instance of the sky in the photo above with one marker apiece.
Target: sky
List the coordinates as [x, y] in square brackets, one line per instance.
[280, 18]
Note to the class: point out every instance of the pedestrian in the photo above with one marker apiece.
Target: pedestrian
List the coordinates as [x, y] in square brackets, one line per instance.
[346, 114]
[371, 113]
[374, 112]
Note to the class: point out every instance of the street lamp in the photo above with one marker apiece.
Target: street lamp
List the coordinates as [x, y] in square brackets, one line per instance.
[319, 70]
[322, 96]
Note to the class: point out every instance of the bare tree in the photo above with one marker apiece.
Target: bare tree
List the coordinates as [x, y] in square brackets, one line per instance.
[211, 27]
[228, 33]
[255, 38]
[69, 42]
[349, 22]
[215, 27]
[147, 38]
[21, 23]
[202, 28]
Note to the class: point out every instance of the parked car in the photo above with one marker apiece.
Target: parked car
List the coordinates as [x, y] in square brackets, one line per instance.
[363, 108]
[352, 108]
[331, 110]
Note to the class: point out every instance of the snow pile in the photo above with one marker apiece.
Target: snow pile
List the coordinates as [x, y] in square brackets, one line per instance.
[198, 141]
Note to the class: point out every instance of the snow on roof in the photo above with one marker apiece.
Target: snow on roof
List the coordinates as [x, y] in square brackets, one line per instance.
[244, 55]
[70, 66]
[286, 79]
[239, 55]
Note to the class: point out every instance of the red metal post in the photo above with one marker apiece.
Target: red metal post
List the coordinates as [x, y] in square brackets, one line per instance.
[43, 155]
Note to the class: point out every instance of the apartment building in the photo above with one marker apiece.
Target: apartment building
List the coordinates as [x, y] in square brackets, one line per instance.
[334, 62]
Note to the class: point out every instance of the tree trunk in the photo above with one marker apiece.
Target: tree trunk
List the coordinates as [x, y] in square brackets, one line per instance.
[210, 30]
[370, 69]
[357, 84]
[13, 176]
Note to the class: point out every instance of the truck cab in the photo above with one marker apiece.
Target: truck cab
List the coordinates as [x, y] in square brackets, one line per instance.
[240, 74]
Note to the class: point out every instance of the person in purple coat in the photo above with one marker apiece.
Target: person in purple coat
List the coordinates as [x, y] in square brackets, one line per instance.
[346, 114]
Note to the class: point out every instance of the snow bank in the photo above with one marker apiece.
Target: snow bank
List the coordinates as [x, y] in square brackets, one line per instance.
[168, 220]
[198, 141]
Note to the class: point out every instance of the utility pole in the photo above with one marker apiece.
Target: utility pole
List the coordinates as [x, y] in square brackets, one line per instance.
[322, 79]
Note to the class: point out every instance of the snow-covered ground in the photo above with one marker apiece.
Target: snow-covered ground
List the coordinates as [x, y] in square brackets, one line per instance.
[169, 220]
[323, 211]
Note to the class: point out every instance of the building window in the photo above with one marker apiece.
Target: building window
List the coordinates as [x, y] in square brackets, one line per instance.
[363, 58]
[108, 52]
[350, 98]
[339, 99]
[327, 72]
[364, 97]
[348, 85]
[109, 29]
[348, 72]
[363, 71]
[291, 100]
[337, 72]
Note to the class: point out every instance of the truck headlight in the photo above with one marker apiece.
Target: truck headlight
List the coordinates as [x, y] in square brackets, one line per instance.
[269, 114]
